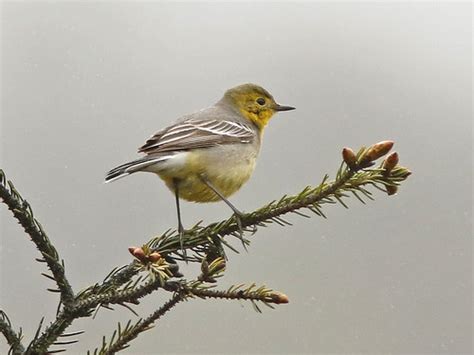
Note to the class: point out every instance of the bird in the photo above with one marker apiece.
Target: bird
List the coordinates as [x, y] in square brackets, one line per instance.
[207, 156]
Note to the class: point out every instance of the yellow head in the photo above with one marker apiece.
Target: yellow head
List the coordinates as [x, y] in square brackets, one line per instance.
[253, 102]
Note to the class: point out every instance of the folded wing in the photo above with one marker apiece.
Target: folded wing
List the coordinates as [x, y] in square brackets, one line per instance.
[198, 133]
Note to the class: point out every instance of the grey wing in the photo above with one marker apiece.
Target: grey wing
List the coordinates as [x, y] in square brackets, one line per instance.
[196, 133]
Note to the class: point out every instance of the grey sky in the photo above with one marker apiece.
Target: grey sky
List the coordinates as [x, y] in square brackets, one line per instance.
[85, 83]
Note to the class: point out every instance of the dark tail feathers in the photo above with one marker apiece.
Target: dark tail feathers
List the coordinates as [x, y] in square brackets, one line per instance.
[131, 167]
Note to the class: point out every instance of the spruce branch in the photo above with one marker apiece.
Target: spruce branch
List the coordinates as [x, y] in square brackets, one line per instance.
[240, 292]
[122, 337]
[23, 212]
[128, 295]
[87, 301]
[42, 341]
[154, 265]
[13, 338]
[353, 177]
[184, 290]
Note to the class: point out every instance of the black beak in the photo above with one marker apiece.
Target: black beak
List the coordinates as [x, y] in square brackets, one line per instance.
[283, 108]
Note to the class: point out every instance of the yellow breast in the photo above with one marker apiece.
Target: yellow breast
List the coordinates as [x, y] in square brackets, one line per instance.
[227, 168]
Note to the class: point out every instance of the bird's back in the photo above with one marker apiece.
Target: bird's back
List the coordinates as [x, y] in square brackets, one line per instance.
[216, 125]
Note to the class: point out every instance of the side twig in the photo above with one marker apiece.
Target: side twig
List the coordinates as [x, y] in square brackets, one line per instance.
[122, 337]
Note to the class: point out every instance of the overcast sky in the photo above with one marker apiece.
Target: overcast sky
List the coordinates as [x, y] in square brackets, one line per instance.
[85, 83]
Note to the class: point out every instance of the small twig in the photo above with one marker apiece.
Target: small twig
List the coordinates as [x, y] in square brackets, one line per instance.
[251, 293]
[130, 333]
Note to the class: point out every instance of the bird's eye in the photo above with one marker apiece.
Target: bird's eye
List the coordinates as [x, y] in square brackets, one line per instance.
[261, 101]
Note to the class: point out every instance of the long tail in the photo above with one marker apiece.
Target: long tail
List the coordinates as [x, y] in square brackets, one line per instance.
[132, 167]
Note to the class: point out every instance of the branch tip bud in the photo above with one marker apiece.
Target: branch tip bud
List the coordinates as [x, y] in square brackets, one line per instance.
[280, 298]
[154, 257]
[390, 162]
[139, 254]
[131, 249]
[391, 190]
[349, 157]
[376, 151]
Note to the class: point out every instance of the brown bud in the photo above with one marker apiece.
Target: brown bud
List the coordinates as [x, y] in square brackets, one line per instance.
[132, 249]
[376, 151]
[140, 255]
[390, 162]
[391, 190]
[349, 157]
[280, 298]
[154, 257]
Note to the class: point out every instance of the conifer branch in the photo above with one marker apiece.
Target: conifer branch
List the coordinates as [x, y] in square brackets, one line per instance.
[240, 292]
[122, 337]
[41, 342]
[154, 266]
[183, 290]
[22, 211]
[13, 338]
[352, 177]
[130, 295]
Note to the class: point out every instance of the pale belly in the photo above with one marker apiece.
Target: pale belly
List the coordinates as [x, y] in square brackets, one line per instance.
[223, 167]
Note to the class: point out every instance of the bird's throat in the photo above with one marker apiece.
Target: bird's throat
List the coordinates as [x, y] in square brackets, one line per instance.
[260, 119]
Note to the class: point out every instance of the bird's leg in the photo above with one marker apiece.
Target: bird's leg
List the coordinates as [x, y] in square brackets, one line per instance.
[180, 224]
[237, 214]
